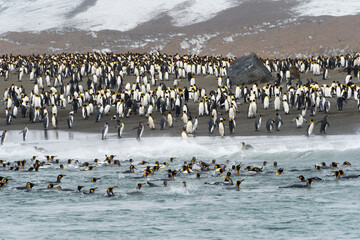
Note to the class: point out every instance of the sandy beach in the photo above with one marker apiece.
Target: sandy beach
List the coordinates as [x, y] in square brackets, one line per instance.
[341, 122]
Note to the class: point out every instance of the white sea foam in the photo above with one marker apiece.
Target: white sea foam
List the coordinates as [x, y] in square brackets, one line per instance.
[85, 147]
[328, 7]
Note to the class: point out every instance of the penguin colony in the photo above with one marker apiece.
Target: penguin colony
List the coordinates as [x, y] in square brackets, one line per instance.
[149, 175]
[94, 87]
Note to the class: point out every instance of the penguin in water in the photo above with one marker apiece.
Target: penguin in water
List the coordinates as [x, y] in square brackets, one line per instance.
[246, 146]
[258, 123]
[109, 192]
[140, 130]
[310, 128]
[25, 132]
[105, 131]
[70, 119]
[270, 125]
[120, 128]
[323, 124]
[308, 184]
[278, 122]
[3, 137]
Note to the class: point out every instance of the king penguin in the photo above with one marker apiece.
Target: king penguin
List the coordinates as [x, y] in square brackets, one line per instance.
[310, 128]
[25, 132]
[70, 119]
[3, 137]
[120, 128]
[258, 122]
[105, 131]
[140, 130]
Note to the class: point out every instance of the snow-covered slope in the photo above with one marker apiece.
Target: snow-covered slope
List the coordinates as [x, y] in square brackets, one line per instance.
[123, 15]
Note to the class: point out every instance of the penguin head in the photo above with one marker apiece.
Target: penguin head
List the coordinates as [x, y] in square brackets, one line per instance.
[301, 177]
[92, 190]
[239, 182]
[138, 186]
[78, 188]
[184, 184]
[50, 186]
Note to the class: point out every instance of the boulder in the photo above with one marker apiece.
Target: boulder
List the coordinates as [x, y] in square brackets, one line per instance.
[249, 69]
[294, 73]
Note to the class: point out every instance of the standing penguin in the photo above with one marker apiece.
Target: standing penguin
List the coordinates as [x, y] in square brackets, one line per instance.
[212, 125]
[232, 125]
[323, 124]
[3, 137]
[299, 121]
[105, 131]
[120, 128]
[151, 122]
[140, 130]
[70, 119]
[278, 122]
[163, 122]
[25, 132]
[170, 120]
[184, 135]
[54, 121]
[310, 128]
[258, 122]
[46, 121]
[277, 103]
[221, 128]
[270, 125]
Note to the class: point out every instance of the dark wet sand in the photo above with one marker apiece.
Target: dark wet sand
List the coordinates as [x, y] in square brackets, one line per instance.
[346, 121]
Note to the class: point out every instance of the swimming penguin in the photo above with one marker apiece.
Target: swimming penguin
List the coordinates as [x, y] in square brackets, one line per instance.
[310, 128]
[308, 184]
[25, 132]
[109, 192]
[58, 179]
[27, 188]
[105, 131]
[237, 184]
[340, 174]
[258, 122]
[323, 124]
[140, 130]
[3, 137]
[70, 119]
[279, 171]
[139, 185]
[246, 146]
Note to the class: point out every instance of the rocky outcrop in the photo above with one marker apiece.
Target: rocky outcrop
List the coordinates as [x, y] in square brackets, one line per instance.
[249, 69]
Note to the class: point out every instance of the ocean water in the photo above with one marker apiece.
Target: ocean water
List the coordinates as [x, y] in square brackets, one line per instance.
[260, 210]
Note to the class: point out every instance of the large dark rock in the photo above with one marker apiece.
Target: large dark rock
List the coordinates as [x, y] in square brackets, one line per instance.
[249, 70]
